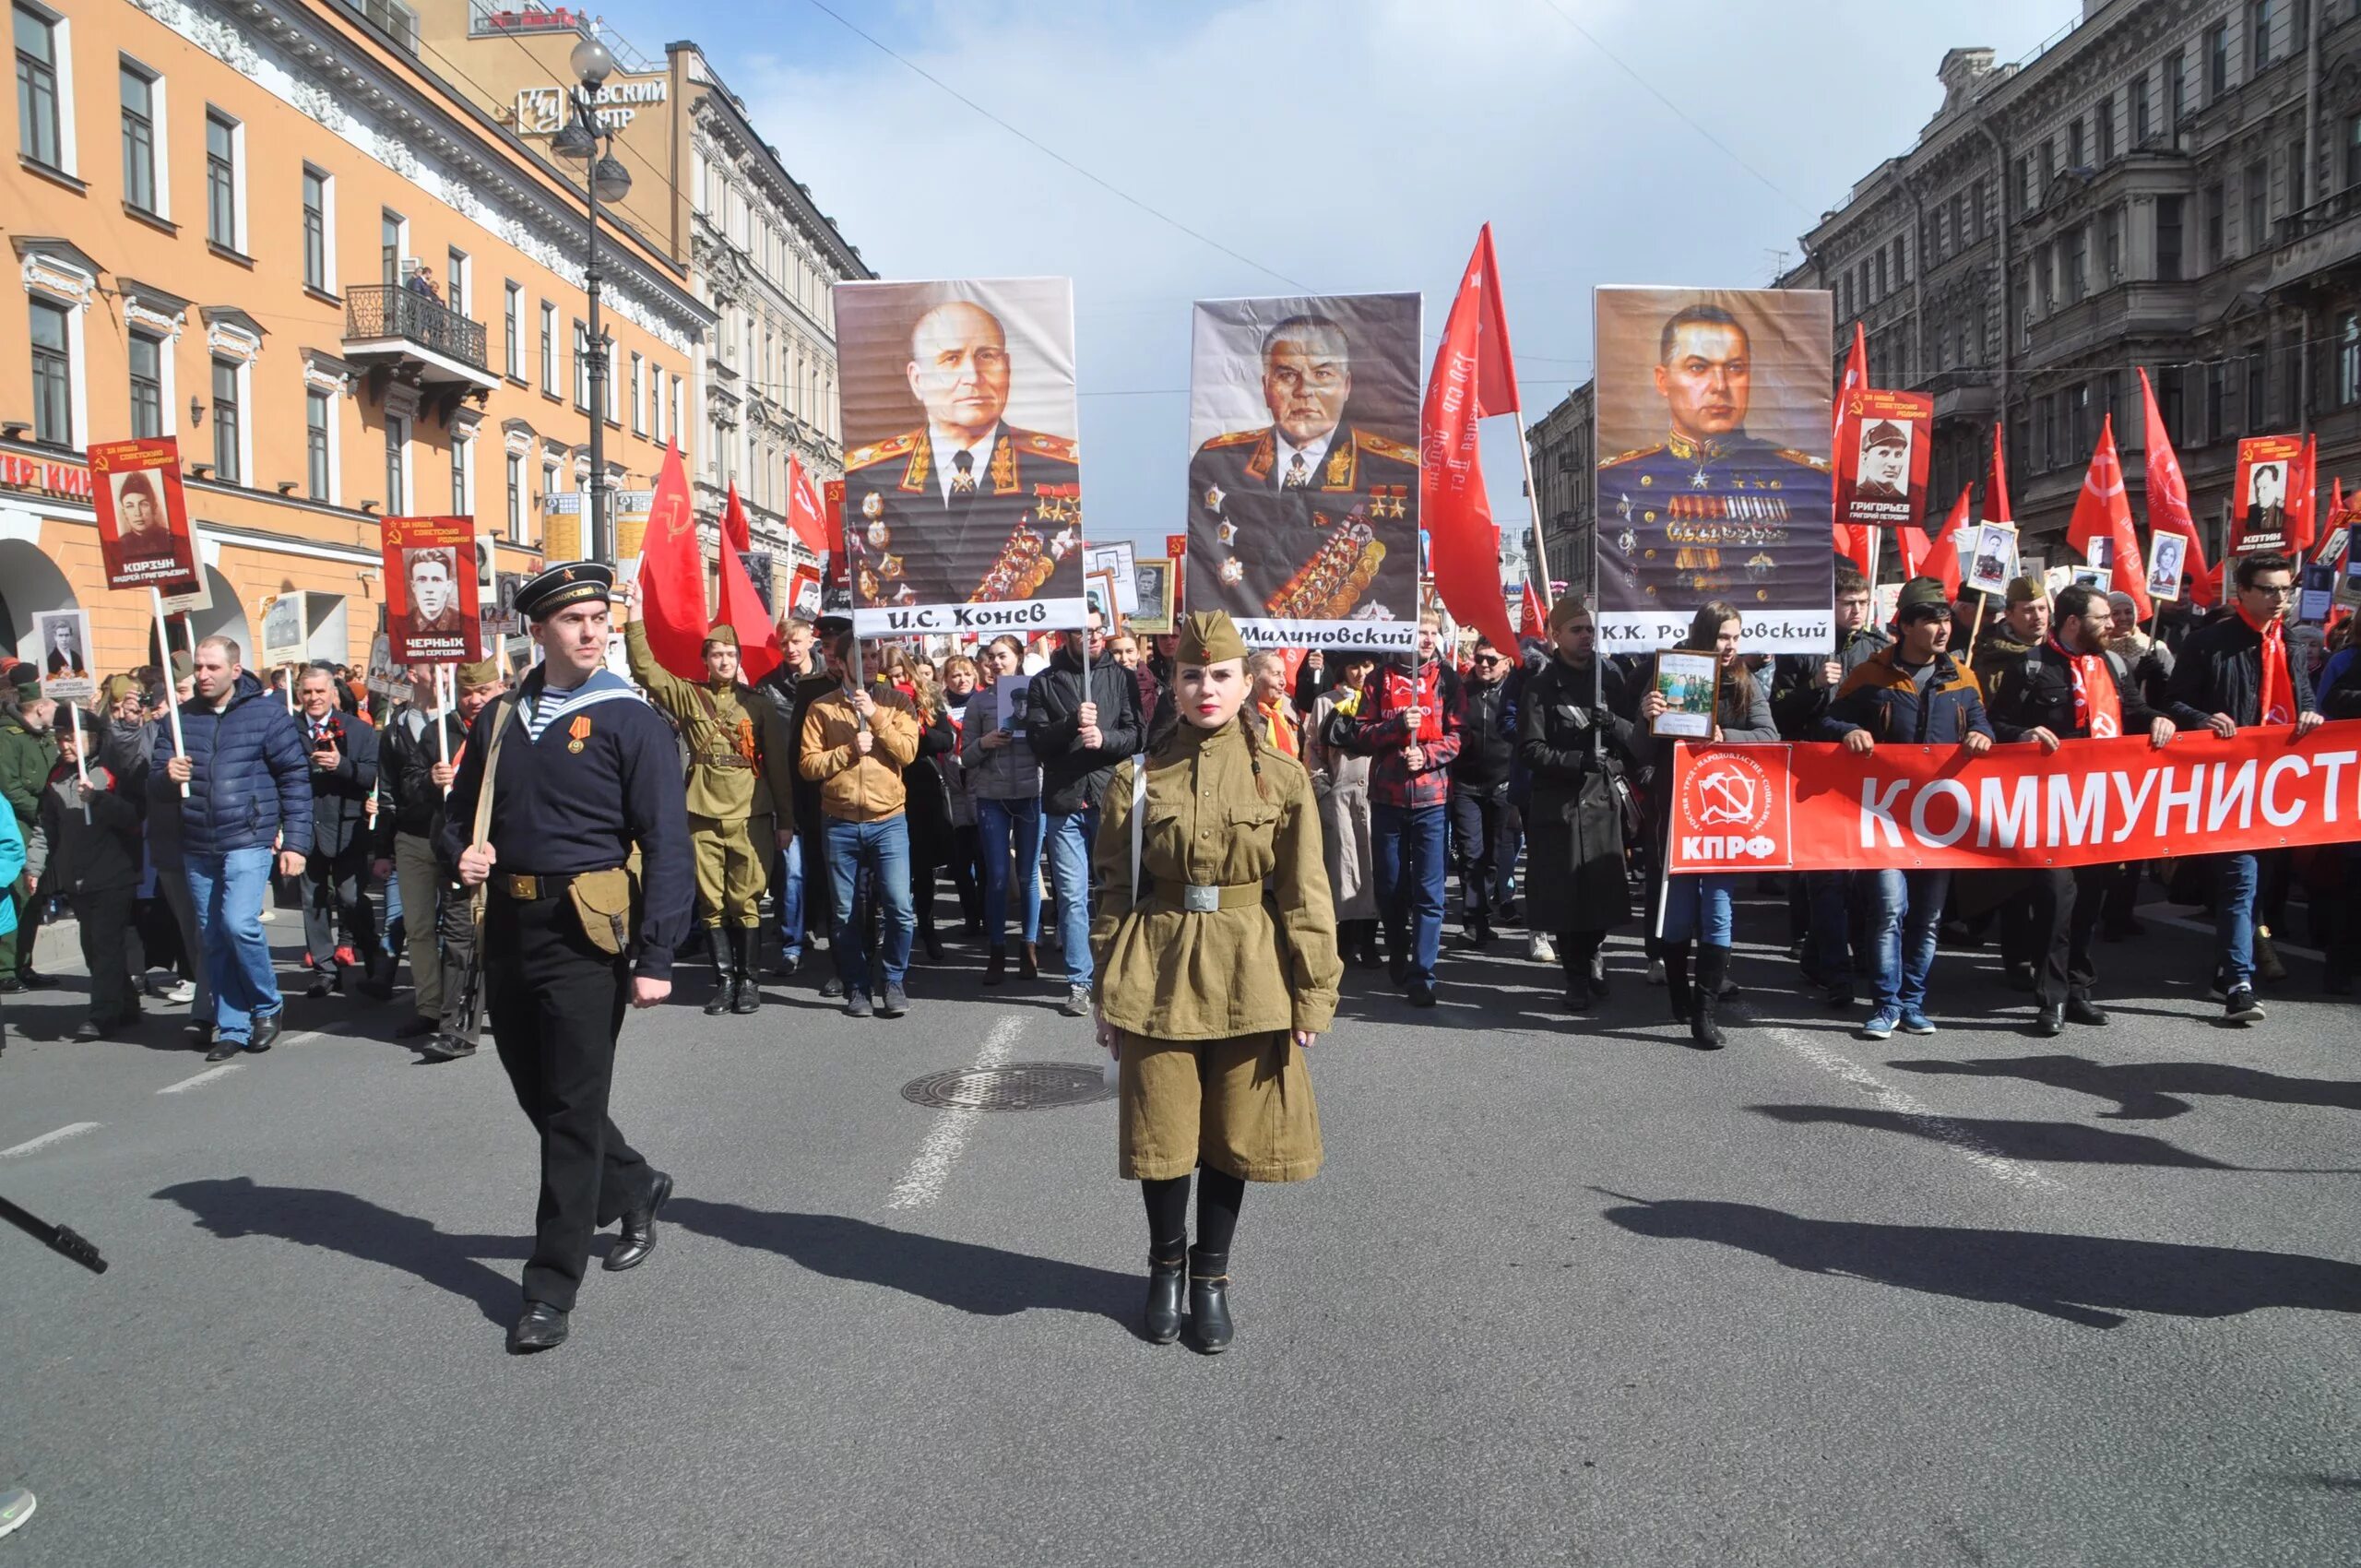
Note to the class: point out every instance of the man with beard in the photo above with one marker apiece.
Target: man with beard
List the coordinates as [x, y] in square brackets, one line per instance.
[2070, 687]
[1300, 513]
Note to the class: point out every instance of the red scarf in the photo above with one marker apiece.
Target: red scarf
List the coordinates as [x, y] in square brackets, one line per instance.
[1395, 694]
[2278, 704]
[2098, 707]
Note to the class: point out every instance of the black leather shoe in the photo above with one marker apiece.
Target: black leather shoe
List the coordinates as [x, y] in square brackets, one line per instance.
[833, 987]
[639, 1240]
[1209, 1326]
[444, 1047]
[744, 942]
[265, 1033]
[2050, 1022]
[2083, 1010]
[416, 1027]
[1166, 1283]
[224, 1048]
[199, 1036]
[725, 977]
[321, 986]
[1421, 994]
[540, 1327]
[88, 1031]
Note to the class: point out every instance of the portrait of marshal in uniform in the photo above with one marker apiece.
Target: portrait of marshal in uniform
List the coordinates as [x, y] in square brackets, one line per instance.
[963, 481]
[1715, 414]
[1303, 467]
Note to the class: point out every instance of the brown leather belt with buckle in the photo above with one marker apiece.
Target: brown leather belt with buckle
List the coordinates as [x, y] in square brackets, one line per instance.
[1197, 898]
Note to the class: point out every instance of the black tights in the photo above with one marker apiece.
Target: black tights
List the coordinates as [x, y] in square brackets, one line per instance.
[1219, 1196]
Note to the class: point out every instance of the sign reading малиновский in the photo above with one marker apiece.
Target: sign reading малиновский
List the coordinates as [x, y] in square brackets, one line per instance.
[1925, 808]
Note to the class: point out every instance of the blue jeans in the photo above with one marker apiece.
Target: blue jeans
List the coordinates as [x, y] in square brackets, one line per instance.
[1830, 894]
[884, 847]
[1905, 909]
[1697, 908]
[228, 892]
[1408, 845]
[1071, 835]
[791, 898]
[1010, 831]
[2234, 919]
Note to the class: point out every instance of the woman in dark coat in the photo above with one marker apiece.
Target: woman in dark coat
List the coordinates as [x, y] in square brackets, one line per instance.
[1576, 748]
[928, 797]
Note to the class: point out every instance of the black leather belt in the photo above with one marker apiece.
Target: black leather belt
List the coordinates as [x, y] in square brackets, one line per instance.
[525, 888]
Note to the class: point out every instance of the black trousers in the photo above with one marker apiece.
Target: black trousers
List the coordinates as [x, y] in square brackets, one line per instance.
[2066, 904]
[104, 916]
[556, 1004]
[335, 898]
[1475, 845]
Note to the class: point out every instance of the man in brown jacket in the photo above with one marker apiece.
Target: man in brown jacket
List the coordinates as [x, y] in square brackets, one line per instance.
[855, 745]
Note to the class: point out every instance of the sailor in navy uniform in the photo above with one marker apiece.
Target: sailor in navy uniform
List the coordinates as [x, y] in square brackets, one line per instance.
[1297, 516]
[1710, 500]
[968, 508]
[588, 771]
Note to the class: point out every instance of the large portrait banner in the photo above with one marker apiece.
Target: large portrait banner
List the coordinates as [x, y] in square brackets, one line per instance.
[1712, 438]
[430, 594]
[962, 507]
[1303, 468]
[2267, 464]
[1882, 457]
[144, 539]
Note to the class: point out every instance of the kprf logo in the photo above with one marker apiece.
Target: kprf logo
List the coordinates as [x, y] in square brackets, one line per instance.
[1729, 812]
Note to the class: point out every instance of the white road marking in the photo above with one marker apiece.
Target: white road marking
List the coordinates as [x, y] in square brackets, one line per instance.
[209, 1076]
[1942, 1129]
[73, 1130]
[922, 1183]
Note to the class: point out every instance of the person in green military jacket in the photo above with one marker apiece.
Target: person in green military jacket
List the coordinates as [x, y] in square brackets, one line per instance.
[1218, 967]
[27, 756]
[741, 770]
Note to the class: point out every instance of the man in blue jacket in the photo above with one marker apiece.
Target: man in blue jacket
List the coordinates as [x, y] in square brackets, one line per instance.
[1912, 692]
[249, 796]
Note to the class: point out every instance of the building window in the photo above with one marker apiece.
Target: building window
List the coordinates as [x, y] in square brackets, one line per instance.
[581, 367]
[2143, 120]
[548, 347]
[516, 499]
[2078, 278]
[656, 404]
[221, 180]
[227, 424]
[2217, 62]
[462, 500]
[390, 225]
[2298, 177]
[315, 230]
[2176, 90]
[2217, 381]
[638, 369]
[2256, 366]
[53, 375]
[2111, 243]
[672, 413]
[2257, 35]
[458, 286]
[138, 139]
[2258, 195]
[2348, 360]
[549, 484]
[2352, 150]
[2217, 204]
[315, 445]
[2168, 262]
[512, 318]
[396, 465]
[40, 123]
[147, 386]
[2074, 145]
[2103, 118]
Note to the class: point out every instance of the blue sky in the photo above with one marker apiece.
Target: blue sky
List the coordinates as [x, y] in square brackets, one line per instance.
[1348, 144]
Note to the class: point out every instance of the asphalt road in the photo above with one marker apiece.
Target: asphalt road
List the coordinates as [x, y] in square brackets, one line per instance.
[1564, 1294]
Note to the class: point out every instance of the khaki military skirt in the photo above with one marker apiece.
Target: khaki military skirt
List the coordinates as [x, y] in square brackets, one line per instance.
[1241, 1105]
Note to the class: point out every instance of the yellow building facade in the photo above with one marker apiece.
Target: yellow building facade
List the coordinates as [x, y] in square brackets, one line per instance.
[276, 232]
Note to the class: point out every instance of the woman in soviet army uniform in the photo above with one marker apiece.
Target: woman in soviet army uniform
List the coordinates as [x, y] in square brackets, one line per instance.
[1217, 968]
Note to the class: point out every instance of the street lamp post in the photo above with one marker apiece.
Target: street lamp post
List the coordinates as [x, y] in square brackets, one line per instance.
[606, 179]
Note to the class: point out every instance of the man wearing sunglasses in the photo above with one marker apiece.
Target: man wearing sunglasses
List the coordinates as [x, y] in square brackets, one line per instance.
[2234, 675]
[1479, 789]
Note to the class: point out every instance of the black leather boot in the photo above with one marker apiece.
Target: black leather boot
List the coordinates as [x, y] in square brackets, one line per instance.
[1209, 1326]
[743, 941]
[1163, 1289]
[1028, 961]
[1713, 968]
[1576, 964]
[996, 966]
[1676, 982]
[725, 982]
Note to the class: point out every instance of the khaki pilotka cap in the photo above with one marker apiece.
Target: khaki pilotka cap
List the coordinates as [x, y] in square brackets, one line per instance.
[1208, 636]
[2027, 590]
[482, 673]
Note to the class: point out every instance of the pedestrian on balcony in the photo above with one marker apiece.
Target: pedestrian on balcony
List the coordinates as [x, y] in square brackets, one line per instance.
[422, 282]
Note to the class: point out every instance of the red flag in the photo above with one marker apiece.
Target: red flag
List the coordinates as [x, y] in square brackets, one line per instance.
[736, 532]
[1911, 544]
[2104, 510]
[2167, 489]
[2302, 492]
[1852, 541]
[805, 519]
[1471, 367]
[1996, 484]
[2205, 586]
[1856, 375]
[1941, 558]
[1531, 622]
[671, 575]
[742, 609]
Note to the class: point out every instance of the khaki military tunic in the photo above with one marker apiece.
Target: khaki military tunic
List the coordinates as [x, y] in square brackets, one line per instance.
[1206, 998]
[728, 789]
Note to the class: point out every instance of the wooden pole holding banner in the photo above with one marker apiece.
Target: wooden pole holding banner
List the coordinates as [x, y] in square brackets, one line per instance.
[81, 771]
[171, 687]
[444, 703]
[1976, 629]
[1533, 506]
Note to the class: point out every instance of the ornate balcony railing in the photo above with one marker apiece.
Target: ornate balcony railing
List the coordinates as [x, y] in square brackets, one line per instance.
[383, 310]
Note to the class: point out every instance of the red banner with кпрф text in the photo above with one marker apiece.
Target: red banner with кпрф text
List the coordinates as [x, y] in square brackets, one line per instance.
[1927, 808]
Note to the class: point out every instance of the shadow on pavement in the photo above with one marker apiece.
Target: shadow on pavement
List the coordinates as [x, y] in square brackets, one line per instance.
[2066, 1142]
[315, 1217]
[2150, 1091]
[2089, 1280]
[987, 1281]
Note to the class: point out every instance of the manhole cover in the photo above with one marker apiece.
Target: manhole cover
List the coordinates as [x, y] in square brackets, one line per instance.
[1021, 1086]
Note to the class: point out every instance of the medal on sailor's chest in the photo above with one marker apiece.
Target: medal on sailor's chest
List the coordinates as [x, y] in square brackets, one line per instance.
[580, 731]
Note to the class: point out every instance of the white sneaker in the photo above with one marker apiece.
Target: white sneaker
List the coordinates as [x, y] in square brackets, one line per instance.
[179, 994]
[1540, 949]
